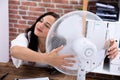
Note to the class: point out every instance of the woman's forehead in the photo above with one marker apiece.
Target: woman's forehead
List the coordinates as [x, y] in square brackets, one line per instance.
[49, 19]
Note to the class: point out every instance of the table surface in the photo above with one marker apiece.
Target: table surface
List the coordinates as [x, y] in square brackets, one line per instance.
[31, 72]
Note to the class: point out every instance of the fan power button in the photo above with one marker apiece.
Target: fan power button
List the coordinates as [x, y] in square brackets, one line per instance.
[89, 52]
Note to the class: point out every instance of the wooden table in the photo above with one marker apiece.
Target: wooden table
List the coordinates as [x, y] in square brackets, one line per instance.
[31, 72]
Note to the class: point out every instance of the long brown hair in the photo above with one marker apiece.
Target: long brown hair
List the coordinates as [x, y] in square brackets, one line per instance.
[33, 41]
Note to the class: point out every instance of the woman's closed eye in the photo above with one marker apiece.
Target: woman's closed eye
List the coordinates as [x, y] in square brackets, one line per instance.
[46, 24]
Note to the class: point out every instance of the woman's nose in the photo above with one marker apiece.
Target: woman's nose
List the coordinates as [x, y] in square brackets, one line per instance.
[42, 25]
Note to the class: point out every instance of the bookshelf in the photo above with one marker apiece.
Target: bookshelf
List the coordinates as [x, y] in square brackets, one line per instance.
[107, 11]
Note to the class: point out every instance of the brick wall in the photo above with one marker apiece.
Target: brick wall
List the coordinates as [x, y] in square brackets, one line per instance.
[23, 13]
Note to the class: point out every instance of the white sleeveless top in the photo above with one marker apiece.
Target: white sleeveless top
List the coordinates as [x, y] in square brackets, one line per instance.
[21, 40]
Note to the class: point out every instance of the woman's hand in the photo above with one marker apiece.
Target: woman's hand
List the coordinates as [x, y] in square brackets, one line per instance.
[113, 49]
[59, 60]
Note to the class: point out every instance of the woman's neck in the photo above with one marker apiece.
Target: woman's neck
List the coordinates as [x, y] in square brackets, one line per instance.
[41, 45]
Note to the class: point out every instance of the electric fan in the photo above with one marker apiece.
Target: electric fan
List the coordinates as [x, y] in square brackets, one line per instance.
[67, 31]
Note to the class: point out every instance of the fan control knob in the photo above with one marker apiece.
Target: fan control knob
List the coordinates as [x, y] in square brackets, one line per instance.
[84, 48]
[89, 52]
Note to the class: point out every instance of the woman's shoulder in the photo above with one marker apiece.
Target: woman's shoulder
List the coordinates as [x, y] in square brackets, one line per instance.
[21, 35]
[20, 40]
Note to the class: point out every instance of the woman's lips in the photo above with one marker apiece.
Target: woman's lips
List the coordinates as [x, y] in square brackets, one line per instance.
[39, 29]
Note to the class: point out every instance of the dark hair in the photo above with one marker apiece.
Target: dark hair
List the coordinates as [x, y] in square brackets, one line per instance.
[33, 39]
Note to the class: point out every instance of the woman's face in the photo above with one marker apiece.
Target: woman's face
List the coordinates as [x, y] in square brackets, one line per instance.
[42, 27]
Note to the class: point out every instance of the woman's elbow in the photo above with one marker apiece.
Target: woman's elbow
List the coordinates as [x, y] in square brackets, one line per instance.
[13, 50]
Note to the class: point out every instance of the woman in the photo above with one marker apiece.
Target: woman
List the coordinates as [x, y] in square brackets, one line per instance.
[29, 47]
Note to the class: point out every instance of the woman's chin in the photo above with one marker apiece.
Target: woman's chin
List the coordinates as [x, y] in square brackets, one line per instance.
[36, 33]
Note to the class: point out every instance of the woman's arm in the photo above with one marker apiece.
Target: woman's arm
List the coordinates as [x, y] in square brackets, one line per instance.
[51, 58]
[26, 54]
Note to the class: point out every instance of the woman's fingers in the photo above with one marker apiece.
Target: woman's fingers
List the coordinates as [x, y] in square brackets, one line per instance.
[112, 54]
[69, 60]
[68, 56]
[61, 60]
[113, 50]
[70, 65]
[66, 62]
[64, 66]
[58, 49]
[113, 45]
